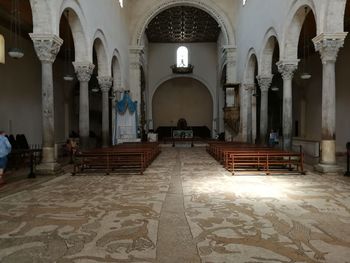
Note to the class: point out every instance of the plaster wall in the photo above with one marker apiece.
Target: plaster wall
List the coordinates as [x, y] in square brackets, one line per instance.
[182, 98]
[202, 55]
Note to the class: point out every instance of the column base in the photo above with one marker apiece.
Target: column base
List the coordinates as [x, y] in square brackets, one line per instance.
[328, 168]
[48, 169]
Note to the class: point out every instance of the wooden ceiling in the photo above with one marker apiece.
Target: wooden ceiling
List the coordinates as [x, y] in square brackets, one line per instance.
[183, 24]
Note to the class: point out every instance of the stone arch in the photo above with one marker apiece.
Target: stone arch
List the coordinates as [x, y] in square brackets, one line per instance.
[42, 17]
[193, 76]
[295, 21]
[77, 23]
[334, 17]
[269, 45]
[252, 63]
[116, 73]
[207, 6]
[100, 45]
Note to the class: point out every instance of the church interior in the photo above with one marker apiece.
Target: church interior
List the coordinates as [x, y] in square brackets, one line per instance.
[175, 131]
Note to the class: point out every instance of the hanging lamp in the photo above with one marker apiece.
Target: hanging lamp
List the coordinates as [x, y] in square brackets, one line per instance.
[15, 51]
[68, 76]
[305, 75]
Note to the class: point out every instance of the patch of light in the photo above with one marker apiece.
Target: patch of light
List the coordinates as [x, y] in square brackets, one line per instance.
[247, 186]
[121, 3]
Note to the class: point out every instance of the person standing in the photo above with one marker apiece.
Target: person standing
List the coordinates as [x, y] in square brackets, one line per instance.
[5, 149]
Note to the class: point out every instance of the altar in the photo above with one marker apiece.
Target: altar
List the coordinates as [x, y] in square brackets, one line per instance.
[183, 137]
[182, 134]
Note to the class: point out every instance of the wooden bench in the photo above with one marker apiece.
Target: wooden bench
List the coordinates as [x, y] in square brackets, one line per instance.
[268, 162]
[242, 157]
[126, 157]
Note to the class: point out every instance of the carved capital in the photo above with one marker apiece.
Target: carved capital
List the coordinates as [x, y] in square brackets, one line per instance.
[83, 70]
[105, 83]
[264, 82]
[328, 45]
[287, 68]
[248, 87]
[46, 46]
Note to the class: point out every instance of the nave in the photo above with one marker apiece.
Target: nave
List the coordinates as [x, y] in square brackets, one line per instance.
[185, 208]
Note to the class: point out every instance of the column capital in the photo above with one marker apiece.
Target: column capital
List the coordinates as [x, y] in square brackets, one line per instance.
[105, 83]
[328, 44]
[264, 82]
[287, 68]
[248, 86]
[83, 70]
[46, 46]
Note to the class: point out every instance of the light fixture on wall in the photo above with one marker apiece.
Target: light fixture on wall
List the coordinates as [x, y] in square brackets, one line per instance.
[15, 51]
[305, 75]
[274, 88]
[68, 76]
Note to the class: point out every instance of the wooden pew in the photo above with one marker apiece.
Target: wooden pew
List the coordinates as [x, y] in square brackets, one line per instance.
[126, 157]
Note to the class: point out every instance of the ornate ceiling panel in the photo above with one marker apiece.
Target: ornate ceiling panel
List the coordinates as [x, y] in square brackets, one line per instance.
[183, 24]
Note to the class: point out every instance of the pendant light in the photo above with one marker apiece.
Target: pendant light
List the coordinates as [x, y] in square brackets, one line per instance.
[68, 76]
[15, 51]
[305, 75]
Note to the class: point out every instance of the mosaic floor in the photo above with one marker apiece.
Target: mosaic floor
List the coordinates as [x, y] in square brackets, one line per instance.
[186, 208]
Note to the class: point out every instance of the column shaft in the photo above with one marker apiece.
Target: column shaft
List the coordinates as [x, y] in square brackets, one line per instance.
[84, 71]
[264, 83]
[105, 119]
[84, 120]
[287, 68]
[287, 125]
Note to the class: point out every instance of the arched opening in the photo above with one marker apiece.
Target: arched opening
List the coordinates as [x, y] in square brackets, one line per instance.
[65, 83]
[182, 57]
[307, 83]
[275, 92]
[95, 105]
[182, 98]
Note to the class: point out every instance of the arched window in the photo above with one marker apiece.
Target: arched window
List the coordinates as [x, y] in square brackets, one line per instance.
[182, 57]
[2, 49]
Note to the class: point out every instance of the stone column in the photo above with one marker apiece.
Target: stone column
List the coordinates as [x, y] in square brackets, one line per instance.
[287, 68]
[264, 84]
[135, 56]
[328, 45]
[47, 47]
[247, 120]
[84, 71]
[105, 84]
